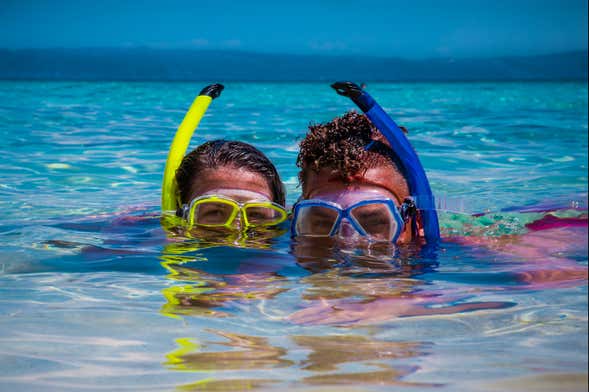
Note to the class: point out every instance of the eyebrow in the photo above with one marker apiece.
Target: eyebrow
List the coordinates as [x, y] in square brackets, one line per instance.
[256, 195]
[373, 214]
[239, 198]
[323, 214]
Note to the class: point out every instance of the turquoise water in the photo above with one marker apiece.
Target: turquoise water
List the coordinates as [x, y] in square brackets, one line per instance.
[95, 295]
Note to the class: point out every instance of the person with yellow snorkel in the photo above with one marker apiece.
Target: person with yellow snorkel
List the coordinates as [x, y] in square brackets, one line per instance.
[224, 192]
[221, 186]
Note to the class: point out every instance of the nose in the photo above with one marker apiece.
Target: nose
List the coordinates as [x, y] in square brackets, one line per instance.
[346, 230]
[237, 222]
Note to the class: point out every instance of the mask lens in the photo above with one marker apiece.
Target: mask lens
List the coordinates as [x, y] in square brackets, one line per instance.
[213, 213]
[315, 221]
[377, 220]
[258, 215]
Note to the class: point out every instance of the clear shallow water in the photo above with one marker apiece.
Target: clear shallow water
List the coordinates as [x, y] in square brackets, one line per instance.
[94, 294]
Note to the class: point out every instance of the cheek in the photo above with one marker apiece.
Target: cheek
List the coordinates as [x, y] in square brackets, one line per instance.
[405, 236]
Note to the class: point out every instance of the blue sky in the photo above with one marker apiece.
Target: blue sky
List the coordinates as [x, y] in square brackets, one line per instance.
[411, 29]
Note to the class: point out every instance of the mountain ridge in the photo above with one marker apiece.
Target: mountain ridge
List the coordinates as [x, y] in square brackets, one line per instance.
[149, 64]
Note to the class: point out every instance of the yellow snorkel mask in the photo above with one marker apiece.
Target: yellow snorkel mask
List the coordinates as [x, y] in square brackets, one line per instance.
[221, 211]
[170, 195]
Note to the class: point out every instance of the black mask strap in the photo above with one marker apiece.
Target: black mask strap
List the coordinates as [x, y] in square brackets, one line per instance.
[409, 214]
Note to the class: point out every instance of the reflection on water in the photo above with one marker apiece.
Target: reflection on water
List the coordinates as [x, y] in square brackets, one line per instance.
[364, 288]
[250, 353]
[380, 378]
[205, 294]
[345, 301]
[327, 353]
[186, 301]
[361, 286]
[321, 366]
[343, 287]
[372, 284]
[324, 316]
[226, 385]
[208, 294]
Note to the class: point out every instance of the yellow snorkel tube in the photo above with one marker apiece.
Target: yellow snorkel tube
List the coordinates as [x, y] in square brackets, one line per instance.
[170, 196]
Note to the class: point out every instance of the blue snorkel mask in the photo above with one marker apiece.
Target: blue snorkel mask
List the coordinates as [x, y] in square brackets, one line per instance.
[373, 218]
[420, 206]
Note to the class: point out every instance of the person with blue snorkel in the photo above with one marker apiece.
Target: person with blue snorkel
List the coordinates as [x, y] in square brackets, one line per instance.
[362, 181]
[363, 184]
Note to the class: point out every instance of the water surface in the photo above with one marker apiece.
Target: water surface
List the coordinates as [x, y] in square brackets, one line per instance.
[95, 295]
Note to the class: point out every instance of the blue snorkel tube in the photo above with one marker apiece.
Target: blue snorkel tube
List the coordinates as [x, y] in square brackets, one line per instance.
[407, 158]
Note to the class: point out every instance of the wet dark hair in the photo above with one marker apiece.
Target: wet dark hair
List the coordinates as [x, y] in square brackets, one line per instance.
[216, 153]
[349, 144]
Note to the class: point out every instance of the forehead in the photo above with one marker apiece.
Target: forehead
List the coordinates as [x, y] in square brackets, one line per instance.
[236, 183]
[379, 180]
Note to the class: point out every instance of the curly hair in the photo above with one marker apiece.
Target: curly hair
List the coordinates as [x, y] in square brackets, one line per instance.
[216, 153]
[349, 144]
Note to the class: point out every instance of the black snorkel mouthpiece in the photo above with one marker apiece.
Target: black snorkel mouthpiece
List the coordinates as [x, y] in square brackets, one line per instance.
[347, 89]
[213, 90]
[409, 213]
[354, 92]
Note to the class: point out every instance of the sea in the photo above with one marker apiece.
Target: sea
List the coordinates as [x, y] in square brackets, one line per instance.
[97, 293]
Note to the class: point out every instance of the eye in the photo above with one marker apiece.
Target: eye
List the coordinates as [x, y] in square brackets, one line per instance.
[376, 219]
[212, 213]
[261, 215]
[321, 222]
[316, 220]
[375, 222]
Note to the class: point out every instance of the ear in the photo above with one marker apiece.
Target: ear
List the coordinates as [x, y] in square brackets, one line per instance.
[419, 230]
[413, 231]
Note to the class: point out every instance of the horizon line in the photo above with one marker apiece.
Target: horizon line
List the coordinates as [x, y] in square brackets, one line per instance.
[334, 55]
[398, 81]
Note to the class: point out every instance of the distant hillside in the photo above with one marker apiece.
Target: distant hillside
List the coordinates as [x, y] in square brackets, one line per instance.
[156, 64]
